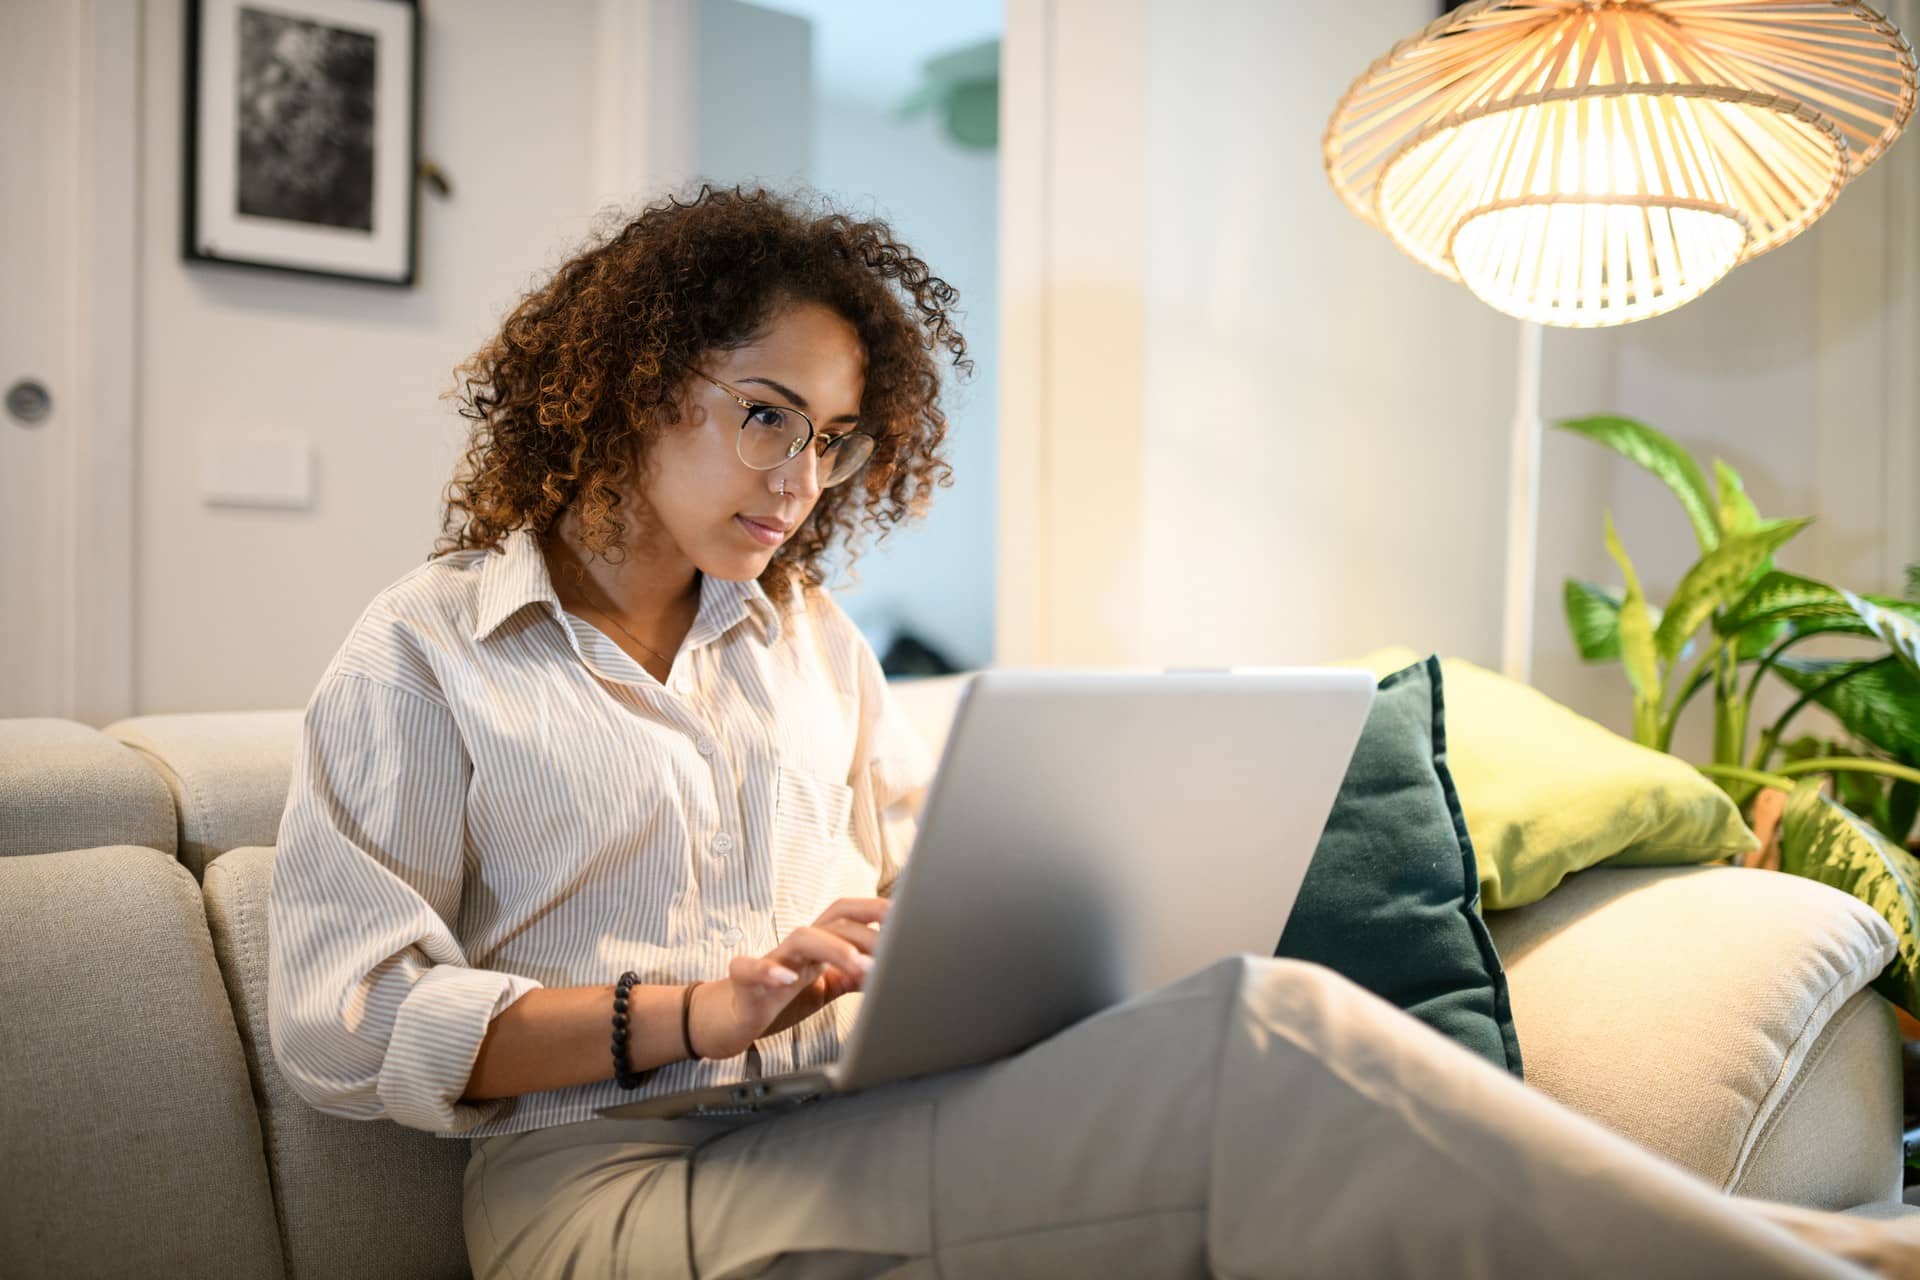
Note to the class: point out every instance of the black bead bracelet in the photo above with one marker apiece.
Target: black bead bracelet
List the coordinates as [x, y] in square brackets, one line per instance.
[624, 1078]
[634, 1079]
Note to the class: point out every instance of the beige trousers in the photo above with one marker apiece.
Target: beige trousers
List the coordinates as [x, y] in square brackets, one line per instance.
[1260, 1118]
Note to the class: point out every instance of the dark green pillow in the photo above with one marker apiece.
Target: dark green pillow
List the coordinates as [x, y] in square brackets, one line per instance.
[1391, 897]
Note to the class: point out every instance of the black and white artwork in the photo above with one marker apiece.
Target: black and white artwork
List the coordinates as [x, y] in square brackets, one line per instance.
[301, 139]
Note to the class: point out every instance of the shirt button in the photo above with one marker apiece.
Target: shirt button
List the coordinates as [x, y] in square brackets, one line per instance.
[723, 843]
[705, 746]
[733, 937]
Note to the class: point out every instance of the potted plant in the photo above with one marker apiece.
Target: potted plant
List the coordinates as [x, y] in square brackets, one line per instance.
[1736, 621]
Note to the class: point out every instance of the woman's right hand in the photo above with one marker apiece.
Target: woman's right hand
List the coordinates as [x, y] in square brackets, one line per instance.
[815, 965]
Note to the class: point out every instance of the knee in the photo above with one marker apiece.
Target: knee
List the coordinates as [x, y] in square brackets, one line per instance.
[1248, 975]
[1290, 993]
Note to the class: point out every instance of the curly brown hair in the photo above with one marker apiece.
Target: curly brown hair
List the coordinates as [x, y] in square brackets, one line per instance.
[590, 366]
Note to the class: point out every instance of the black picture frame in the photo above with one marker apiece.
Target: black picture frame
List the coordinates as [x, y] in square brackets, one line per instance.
[301, 137]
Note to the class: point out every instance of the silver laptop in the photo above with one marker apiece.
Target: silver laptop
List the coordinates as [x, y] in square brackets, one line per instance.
[1088, 837]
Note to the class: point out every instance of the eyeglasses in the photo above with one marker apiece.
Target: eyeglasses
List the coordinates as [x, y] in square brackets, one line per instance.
[772, 435]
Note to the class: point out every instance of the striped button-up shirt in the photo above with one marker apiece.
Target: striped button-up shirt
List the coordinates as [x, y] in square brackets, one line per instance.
[490, 796]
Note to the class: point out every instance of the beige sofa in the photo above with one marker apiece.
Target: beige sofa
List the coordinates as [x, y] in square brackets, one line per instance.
[1717, 1016]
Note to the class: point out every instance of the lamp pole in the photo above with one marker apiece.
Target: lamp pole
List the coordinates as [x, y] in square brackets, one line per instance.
[1523, 511]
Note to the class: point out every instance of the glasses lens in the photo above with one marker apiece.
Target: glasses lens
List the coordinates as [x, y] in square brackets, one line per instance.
[847, 455]
[770, 436]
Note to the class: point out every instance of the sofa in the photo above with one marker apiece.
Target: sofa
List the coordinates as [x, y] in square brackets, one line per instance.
[1720, 1017]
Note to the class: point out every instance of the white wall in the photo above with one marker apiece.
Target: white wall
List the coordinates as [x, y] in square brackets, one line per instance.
[754, 91]
[936, 577]
[1326, 434]
[240, 609]
[1321, 465]
[1288, 440]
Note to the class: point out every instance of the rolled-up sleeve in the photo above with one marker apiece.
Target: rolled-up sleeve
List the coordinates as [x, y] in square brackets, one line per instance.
[373, 1009]
[892, 770]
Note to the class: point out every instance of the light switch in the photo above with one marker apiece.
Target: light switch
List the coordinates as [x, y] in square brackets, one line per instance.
[256, 469]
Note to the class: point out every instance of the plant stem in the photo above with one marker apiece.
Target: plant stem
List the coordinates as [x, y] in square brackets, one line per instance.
[1848, 764]
[1771, 739]
[1695, 678]
[1766, 662]
[1739, 773]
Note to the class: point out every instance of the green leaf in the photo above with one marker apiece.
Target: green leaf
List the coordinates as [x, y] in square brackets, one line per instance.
[1878, 702]
[1636, 646]
[1782, 597]
[1738, 515]
[1718, 579]
[1913, 583]
[1593, 617]
[1860, 792]
[1812, 607]
[1901, 633]
[1737, 512]
[1754, 642]
[1824, 841]
[1806, 747]
[1673, 465]
[1903, 806]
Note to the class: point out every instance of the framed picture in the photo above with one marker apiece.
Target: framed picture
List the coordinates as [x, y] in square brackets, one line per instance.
[302, 136]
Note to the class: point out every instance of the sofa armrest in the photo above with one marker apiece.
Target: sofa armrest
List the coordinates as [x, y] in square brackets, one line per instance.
[1718, 1016]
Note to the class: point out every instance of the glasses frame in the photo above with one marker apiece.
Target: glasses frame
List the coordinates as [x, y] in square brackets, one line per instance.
[828, 439]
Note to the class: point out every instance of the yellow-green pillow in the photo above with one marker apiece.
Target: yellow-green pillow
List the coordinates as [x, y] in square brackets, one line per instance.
[1547, 792]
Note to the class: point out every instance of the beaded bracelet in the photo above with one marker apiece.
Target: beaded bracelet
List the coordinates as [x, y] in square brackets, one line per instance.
[634, 1079]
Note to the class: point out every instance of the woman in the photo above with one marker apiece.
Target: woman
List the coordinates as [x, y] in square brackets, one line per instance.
[606, 799]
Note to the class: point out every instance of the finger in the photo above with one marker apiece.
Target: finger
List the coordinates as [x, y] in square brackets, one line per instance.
[762, 973]
[808, 945]
[863, 936]
[865, 910]
[835, 985]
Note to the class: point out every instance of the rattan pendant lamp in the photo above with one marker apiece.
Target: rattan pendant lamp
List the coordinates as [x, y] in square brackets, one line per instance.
[1594, 162]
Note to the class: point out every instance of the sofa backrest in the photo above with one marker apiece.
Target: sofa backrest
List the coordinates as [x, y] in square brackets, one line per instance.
[126, 989]
[227, 773]
[66, 786]
[132, 1144]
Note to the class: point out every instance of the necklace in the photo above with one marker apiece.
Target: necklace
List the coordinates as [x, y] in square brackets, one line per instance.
[628, 634]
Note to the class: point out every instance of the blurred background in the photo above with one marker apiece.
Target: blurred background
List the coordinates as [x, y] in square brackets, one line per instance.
[1216, 418]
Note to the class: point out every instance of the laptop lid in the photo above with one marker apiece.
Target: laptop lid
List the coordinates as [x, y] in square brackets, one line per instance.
[1090, 836]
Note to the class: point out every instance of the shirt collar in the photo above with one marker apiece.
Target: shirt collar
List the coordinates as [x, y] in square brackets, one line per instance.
[516, 576]
[512, 578]
[725, 604]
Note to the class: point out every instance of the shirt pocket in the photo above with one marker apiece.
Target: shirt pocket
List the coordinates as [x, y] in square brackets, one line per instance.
[814, 860]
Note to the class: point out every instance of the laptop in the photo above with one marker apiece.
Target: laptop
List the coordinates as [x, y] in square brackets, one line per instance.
[1088, 837]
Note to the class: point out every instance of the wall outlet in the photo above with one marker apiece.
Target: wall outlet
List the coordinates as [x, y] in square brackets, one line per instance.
[257, 469]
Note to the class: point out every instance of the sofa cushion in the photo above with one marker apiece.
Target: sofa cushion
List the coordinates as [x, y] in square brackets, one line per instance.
[228, 773]
[1549, 792]
[1689, 1009]
[929, 703]
[132, 1146]
[356, 1197]
[1390, 898]
[66, 786]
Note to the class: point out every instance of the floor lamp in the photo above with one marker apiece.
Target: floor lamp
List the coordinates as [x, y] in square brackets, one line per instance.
[1584, 163]
[1523, 512]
